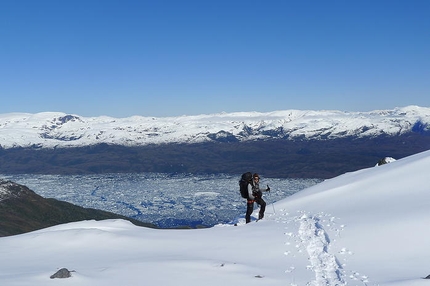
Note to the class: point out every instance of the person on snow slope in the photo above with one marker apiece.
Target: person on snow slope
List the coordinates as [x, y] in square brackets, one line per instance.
[255, 194]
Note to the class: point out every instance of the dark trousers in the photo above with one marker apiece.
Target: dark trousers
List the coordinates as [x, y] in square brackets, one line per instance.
[250, 209]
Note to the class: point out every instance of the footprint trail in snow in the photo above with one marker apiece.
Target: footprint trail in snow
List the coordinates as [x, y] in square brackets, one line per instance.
[327, 269]
[308, 234]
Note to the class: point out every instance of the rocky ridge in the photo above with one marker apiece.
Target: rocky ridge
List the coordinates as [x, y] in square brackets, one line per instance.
[22, 210]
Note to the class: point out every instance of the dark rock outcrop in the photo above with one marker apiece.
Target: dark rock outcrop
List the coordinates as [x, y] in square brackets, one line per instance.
[22, 210]
[62, 273]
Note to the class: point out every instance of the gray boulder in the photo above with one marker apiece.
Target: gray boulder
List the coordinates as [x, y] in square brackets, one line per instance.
[62, 273]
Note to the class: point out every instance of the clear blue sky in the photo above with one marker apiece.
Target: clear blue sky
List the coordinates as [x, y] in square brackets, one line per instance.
[168, 58]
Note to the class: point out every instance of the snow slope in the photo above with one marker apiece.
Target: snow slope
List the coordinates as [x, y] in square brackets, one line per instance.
[54, 129]
[368, 227]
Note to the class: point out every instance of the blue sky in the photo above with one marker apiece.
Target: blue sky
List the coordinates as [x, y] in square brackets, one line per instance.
[169, 58]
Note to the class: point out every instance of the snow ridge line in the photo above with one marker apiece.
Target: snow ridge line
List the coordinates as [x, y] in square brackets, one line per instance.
[328, 272]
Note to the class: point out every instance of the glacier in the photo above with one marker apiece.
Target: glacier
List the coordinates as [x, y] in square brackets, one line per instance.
[166, 200]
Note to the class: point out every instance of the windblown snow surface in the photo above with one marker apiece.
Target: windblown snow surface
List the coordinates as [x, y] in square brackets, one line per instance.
[368, 227]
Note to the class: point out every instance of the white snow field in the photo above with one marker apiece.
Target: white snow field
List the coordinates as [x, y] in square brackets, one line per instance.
[368, 227]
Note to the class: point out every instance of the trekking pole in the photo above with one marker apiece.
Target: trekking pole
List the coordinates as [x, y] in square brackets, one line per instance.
[273, 206]
[272, 201]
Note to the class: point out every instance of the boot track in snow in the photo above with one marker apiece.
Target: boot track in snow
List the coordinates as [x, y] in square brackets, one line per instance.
[327, 269]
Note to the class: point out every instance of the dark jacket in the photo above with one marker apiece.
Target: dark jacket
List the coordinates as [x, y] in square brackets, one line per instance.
[254, 191]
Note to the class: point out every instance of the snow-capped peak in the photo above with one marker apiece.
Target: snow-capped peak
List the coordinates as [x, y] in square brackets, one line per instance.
[55, 129]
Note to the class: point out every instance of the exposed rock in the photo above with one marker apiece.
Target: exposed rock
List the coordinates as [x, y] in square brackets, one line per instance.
[62, 273]
[385, 160]
[22, 210]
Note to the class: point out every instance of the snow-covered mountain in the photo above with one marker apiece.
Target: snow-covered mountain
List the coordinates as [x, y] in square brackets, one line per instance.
[362, 228]
[50, 129]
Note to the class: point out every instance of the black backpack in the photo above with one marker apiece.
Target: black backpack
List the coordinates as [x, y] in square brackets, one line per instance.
[243, 184]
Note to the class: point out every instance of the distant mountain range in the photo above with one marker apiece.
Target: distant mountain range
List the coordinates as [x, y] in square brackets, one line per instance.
[54, 130]
[290, 143]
